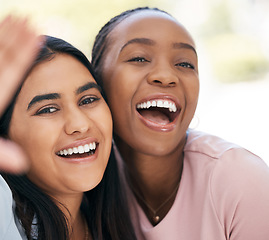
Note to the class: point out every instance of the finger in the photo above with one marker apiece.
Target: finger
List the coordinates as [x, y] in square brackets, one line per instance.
[18, 47]
[12, 158]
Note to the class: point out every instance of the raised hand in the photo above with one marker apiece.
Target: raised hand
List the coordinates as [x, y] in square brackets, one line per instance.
[19, 45]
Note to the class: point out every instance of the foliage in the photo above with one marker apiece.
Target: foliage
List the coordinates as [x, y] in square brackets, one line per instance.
[75, 21]
[236, 58]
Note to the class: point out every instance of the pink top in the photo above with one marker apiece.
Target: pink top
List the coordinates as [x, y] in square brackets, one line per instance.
[223, 194]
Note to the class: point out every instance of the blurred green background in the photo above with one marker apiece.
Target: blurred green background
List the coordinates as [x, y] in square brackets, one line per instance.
[232, 39]
[227, 30]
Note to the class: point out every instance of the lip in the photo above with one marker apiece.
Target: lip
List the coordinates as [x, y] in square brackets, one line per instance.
[153, 125]
[78, 143]
[78, 159]
[89, 159]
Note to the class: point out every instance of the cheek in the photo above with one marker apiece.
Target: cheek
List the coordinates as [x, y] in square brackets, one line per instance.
[102, 120]
[35, 137]
[19, 130]
[102, 123]
[38, 142]
[116, 81]
[119, 91]
[192, 90]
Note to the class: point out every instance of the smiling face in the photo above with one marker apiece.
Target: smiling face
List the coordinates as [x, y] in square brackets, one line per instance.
[62, 122]
[150, 77]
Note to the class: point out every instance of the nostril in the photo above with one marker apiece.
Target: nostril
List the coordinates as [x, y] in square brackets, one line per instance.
[157, 81]
[164, 83]
[172, 84]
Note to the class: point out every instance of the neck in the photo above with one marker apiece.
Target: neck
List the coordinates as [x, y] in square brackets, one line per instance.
[145, 172]
[70, 206]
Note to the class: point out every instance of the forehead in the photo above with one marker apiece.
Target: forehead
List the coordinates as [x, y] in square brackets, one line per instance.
[61, 69]
[63, 73]
[151, 24]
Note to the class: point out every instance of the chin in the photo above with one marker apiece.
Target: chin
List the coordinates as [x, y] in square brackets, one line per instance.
[92, 183]
[157, 150]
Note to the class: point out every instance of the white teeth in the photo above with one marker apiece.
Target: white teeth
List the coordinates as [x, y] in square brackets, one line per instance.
[158, 103]
[92, 146]
[86, 148]
[145, 105]
[80, 149]
[70, 151]
[166, 104]
[75, 150]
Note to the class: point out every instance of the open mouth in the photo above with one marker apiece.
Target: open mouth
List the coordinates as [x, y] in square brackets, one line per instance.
[158, 111]
[79, 152]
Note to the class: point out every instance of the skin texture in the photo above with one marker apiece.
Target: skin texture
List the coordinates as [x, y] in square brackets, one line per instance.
[50, 125]
[18, 47]
[164, 66]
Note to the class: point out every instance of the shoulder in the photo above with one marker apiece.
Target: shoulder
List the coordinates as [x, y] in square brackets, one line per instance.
[238, 182]
[206, 144]
[8, 228]
[5, 194]
[234, 174]
[227, 159]
[224, 155]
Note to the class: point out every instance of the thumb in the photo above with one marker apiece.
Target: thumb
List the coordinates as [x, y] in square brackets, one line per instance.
[12, 158]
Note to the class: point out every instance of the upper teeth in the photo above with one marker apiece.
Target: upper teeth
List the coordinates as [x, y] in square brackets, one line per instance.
[79, 149]
[158, 103]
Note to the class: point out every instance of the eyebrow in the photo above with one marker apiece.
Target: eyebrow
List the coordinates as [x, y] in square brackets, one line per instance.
[88, 86]
[144, 41]
[43, 97]
[51, 96]
[184, 45]
[150, 42]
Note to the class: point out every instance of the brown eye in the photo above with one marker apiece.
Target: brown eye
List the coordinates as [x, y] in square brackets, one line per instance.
[138, 59]
[185, 65]
[47, 110]
[88, 100]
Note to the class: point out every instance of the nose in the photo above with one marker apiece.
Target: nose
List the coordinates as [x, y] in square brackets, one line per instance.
[76, 121]
[162, 75]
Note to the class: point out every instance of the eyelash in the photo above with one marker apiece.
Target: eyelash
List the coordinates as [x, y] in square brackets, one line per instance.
[142, 60]
[185, 65]
[138, 59]
[51, 109]
[47, 110]
[88, 100]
